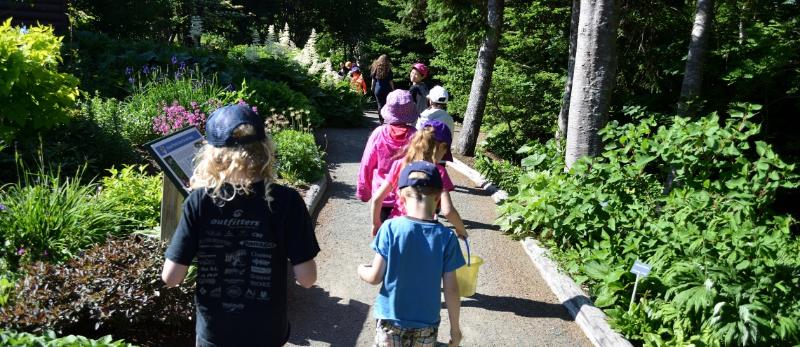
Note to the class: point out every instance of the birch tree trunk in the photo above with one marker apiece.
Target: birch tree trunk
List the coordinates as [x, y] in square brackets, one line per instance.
[482, 80]
[693, 75]
[573, 42]
[593, 78]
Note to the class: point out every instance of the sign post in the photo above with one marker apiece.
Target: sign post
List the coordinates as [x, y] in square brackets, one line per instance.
[641, 270]
[175, 155]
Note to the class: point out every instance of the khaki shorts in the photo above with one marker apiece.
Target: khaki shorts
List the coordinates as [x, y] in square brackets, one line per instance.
[389, 335]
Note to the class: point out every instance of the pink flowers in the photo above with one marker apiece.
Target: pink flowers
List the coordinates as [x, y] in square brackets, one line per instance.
[175, 117]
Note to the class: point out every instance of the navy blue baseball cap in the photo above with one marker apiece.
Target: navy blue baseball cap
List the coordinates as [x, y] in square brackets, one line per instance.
[431, 179]
[219, 128]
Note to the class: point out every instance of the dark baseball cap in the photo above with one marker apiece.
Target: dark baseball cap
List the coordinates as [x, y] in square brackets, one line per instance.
[431, 179]
[220, 127]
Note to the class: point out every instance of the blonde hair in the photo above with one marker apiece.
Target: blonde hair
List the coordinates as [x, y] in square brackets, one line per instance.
[423, 146]
[381, 67]
[239, 167]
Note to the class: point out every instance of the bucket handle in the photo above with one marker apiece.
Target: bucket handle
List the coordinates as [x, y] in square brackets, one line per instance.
[469, 258]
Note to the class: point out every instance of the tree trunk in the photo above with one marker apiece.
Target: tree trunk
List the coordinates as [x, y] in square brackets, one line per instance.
[593, 78]
[693, 76]
[482, 80]
[573, 42]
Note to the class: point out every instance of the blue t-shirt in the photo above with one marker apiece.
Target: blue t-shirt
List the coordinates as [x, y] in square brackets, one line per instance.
[417, 254]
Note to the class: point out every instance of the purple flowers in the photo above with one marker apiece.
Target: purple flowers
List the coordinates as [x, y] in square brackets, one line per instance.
[145, 69]
[3, 207]
[175, 117]
[128, 71]
[21, 251]
[244, 103]
[174, 60]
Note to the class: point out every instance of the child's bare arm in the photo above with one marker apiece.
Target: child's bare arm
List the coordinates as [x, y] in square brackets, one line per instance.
[449, 212]
[173, 273]
[453, 301]
[373, 273]
[376, 204]
[306, 273]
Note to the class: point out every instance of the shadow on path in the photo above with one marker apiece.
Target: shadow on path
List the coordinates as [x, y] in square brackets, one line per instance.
[518, 306]
[317, 316]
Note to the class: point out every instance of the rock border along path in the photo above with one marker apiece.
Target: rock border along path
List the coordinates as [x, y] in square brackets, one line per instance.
[591, 319]
[513, 307]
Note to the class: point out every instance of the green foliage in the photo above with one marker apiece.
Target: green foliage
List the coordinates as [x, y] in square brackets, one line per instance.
[33, 94]
[49, 339]
[527, 82]
[269, 95]
[725, 270]
[299, 159]
[114, 288]
[134, 195]
[91, 140]
[160, 90]
[48, 216]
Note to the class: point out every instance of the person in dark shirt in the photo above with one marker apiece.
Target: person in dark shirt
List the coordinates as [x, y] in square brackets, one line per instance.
[242, 229]
[382, 84]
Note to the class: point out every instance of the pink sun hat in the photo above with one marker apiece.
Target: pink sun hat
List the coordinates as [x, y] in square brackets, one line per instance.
[400, 108]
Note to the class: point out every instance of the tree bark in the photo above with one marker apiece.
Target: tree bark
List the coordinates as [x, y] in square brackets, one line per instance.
[593, 78]
[482, 80]
[693, 75]
[573, 43]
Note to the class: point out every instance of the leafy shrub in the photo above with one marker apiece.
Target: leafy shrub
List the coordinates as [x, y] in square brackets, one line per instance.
[269, 95]
[299, 158]
[48, 216]
[693, 200]
[10, 338]
[151, 97]
[340, 105]
[33, 94]
[134, 195]
[114, 288]
[90, 140]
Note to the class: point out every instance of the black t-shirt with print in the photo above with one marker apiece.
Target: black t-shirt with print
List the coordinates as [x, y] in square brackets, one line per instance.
[242, 248]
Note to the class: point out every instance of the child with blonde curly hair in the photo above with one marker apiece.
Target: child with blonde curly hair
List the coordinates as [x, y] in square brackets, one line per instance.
[241, 228]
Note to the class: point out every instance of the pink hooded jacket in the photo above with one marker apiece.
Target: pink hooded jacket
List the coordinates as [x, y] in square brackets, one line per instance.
[386, 144]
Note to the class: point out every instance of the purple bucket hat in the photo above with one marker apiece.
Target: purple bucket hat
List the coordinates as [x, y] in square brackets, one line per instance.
[400, 108]
[441, 133]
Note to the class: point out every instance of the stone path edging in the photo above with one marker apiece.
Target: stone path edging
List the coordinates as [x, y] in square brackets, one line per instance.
[592, 321]
[315, 192]
[498, 195]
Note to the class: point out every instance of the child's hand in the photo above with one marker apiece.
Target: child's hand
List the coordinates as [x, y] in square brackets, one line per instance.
[455, 337]
[462, 234]
[375, 227]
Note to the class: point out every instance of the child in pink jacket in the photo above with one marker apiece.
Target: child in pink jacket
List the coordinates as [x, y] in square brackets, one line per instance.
[386, 144]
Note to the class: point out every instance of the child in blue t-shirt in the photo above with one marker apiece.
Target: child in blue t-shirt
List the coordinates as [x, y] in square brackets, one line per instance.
[416, 254]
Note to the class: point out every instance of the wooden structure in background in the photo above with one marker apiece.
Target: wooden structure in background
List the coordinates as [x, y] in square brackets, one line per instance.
[171, 209]
[31, 12]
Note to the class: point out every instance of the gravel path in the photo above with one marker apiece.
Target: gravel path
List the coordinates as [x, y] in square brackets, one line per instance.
[513, 307]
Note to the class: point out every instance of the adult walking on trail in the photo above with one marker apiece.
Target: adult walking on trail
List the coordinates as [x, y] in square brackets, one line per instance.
[382, 85]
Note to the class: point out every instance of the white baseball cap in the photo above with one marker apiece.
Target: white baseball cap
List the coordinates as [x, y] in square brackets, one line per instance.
[438, 95]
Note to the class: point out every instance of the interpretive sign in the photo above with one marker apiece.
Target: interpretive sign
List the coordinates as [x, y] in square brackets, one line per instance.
[175, 154]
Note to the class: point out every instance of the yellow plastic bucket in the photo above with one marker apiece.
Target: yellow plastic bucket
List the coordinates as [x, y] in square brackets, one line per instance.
[467, 275]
